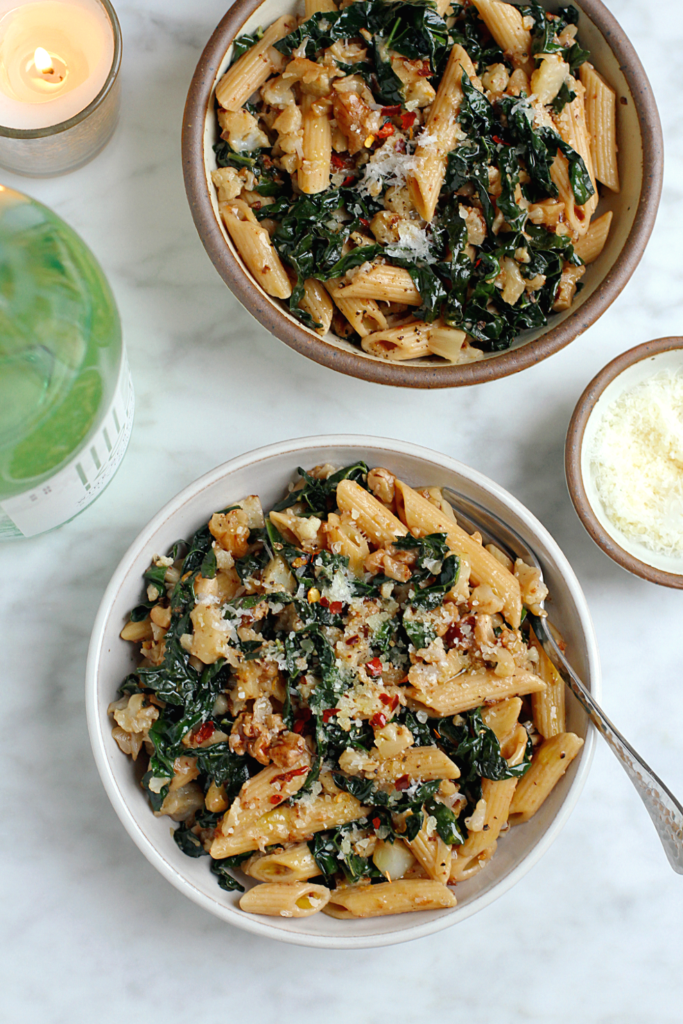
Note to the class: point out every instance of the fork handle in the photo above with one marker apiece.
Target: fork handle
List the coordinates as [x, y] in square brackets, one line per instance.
[662, 806]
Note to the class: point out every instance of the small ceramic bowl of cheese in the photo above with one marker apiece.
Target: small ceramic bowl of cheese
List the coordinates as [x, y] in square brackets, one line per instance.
[624, 460]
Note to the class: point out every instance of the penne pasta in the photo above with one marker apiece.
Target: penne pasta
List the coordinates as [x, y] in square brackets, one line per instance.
[572, 126]
[314, 172]
[502, 717]
[346, 539]
[548, 765]
[293, 864]
[601, 117]
[399, 897]
[260, 793]
[471, 689]
[254, 67]
[410, 341]
[285, 899]
[290, 823]
[423, 518]
[384, 284]
[447, 342]
[364, 315]
[416, 763]
[252, 242]
[548, 705]
[593, 242]
[317, 302]
[464, 864]
[432, 853]
[439, 136]
[375, 520]
[505, 23]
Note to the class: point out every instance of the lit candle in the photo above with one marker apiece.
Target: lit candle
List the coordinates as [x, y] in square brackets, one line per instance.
[58, 63]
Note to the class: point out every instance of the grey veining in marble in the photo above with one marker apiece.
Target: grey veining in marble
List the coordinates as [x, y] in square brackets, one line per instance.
[91, 932]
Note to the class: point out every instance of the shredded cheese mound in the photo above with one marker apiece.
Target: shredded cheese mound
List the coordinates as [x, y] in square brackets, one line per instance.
[386, 167]
[414, 243]
[637, 460]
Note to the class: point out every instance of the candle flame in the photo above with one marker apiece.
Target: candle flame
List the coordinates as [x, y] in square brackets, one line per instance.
[43, 61]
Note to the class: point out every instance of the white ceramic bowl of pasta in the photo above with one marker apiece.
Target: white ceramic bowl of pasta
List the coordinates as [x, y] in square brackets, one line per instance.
[266, 472]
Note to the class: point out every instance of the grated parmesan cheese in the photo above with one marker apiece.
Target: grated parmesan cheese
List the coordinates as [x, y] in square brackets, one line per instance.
[637, 459]
[413, 243]
[386, 166]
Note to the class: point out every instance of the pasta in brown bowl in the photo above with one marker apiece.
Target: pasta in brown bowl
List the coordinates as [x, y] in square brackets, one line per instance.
[341, 698]
[422, 179]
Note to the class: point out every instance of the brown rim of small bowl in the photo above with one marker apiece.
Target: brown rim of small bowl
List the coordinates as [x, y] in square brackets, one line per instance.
[572, 461]
[400, 374]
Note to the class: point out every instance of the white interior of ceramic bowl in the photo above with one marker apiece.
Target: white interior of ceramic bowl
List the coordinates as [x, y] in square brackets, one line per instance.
[627, 379]
[267, 472]
[624, 205]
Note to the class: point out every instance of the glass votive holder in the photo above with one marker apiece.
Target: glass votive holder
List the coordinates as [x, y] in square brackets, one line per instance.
[43, 152]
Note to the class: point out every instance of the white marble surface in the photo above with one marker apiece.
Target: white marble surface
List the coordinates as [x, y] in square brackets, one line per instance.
[91, 931]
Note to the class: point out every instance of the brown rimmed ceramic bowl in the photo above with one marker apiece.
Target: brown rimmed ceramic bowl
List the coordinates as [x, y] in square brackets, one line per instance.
[623, 373]
[635, 208]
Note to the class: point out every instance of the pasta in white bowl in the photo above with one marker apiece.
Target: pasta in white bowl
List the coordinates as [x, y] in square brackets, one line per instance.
[327, 769]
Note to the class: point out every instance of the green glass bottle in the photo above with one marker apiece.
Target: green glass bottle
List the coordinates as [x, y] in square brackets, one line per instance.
[66, 400]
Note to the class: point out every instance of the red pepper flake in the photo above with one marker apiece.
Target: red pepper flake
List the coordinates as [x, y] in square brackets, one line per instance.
[400, 146]
[288, 776]
[385, 131]
[378, 720]
[329, 713]
[337, 161]
[364, 221]
[275, 799]
[349, 180]
[390, 111]
[408, 120]
[501, 142]
[374, 668]
[390, 702]
[336, 607]
[477, 263]
[351, 639]
[204, 733]
[426, 70]
[301, 719]
[403, 782]
[324, 602]
[376, 822]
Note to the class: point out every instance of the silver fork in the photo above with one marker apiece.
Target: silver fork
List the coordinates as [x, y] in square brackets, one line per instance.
[662, 806]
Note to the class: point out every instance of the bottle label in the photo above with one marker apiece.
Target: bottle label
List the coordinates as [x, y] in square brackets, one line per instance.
[77, 485]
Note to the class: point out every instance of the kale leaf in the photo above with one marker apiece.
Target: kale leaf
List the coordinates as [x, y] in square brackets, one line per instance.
[220, 870]
[244, 43]
[475, 749]
[319, 496]
[434, 563]
[332, 854]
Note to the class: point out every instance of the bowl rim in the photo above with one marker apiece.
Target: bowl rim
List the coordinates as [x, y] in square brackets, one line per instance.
[396, 373]
[573, 451]
[97, 651]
